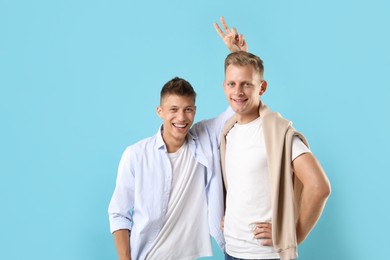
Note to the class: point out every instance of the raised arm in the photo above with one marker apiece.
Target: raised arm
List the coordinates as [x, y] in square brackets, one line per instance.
[316, 190]
[231, 38]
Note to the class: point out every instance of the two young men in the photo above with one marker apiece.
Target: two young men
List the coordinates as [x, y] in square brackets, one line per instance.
[168, 196]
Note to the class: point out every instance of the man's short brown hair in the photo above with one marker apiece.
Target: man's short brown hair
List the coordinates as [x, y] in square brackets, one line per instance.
[177, 86]
[243, 58]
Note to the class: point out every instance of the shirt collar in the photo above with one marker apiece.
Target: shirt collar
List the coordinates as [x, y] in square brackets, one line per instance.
[160, 141]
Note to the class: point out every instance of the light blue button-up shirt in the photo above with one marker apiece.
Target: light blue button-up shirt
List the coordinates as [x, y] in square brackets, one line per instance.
[143, 185]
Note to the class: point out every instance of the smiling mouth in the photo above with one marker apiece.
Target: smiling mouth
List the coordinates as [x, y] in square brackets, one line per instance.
[181, 126]
[239, 101]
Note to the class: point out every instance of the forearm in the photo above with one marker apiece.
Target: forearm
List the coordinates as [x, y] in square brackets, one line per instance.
[122, 244]
[312, 205]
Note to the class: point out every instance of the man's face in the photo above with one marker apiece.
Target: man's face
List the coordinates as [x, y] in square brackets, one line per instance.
[243, 87]
[177, 113]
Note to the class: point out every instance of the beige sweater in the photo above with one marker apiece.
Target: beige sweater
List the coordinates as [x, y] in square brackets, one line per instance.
[286, 189]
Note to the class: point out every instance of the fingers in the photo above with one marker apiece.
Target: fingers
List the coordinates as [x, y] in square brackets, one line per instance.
[263, 225]
[241, 40]
[267, 242]
[219, 31]
[233, 41]
[242, 43]
[224, 24]
[225, 28]
[230, 33]
[263, 231]
[234, 34]
[223, 223]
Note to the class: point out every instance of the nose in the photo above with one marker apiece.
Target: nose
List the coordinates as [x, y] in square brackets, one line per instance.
[238, 90]
[181, 115]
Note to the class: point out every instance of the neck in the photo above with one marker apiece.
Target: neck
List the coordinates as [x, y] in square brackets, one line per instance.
[173, 145]
[245, 119]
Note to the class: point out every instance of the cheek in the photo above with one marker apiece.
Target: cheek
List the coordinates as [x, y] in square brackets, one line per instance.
[191, 117]
[169, 117]
[228, 93]
[255, 93]
[225, 91]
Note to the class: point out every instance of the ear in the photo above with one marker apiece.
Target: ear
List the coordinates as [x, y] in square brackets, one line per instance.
[263, 87]
[159, 111]
[224, 86]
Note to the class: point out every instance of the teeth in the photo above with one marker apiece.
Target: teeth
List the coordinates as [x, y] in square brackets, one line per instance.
[180, 126]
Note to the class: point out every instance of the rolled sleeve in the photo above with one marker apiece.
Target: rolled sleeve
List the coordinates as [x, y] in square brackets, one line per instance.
[122, 201]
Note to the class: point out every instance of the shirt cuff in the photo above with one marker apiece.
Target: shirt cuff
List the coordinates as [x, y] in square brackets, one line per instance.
[117, 223]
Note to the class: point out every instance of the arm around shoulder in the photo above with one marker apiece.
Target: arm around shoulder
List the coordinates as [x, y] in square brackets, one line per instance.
[316, 190]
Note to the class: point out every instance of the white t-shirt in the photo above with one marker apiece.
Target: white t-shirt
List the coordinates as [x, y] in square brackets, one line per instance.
[185, 233]
[248, 196]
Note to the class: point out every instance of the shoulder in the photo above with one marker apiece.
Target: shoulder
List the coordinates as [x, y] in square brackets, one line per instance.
[271, 118]
[143, 142]
[276, 120]
[200, 128]
[215, 124]
[276, 123]
[142, 147]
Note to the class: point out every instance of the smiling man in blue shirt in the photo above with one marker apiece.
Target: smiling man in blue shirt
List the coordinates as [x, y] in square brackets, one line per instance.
[168, 195]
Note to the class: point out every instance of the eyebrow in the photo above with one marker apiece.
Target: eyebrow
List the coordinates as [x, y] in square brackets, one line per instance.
[240, 83]
[175, 106]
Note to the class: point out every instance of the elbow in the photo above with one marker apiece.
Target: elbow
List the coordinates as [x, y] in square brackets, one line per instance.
[326, 191]
[322, 191]
[318, 191]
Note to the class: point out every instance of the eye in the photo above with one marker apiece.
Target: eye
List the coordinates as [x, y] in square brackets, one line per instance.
[173, 110]
[189, 110]
[230, 84]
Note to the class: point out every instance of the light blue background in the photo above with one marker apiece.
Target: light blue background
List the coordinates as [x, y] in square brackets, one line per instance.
[80, 81]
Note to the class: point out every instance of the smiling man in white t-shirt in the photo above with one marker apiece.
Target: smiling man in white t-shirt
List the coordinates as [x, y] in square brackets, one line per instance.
[276, 189]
